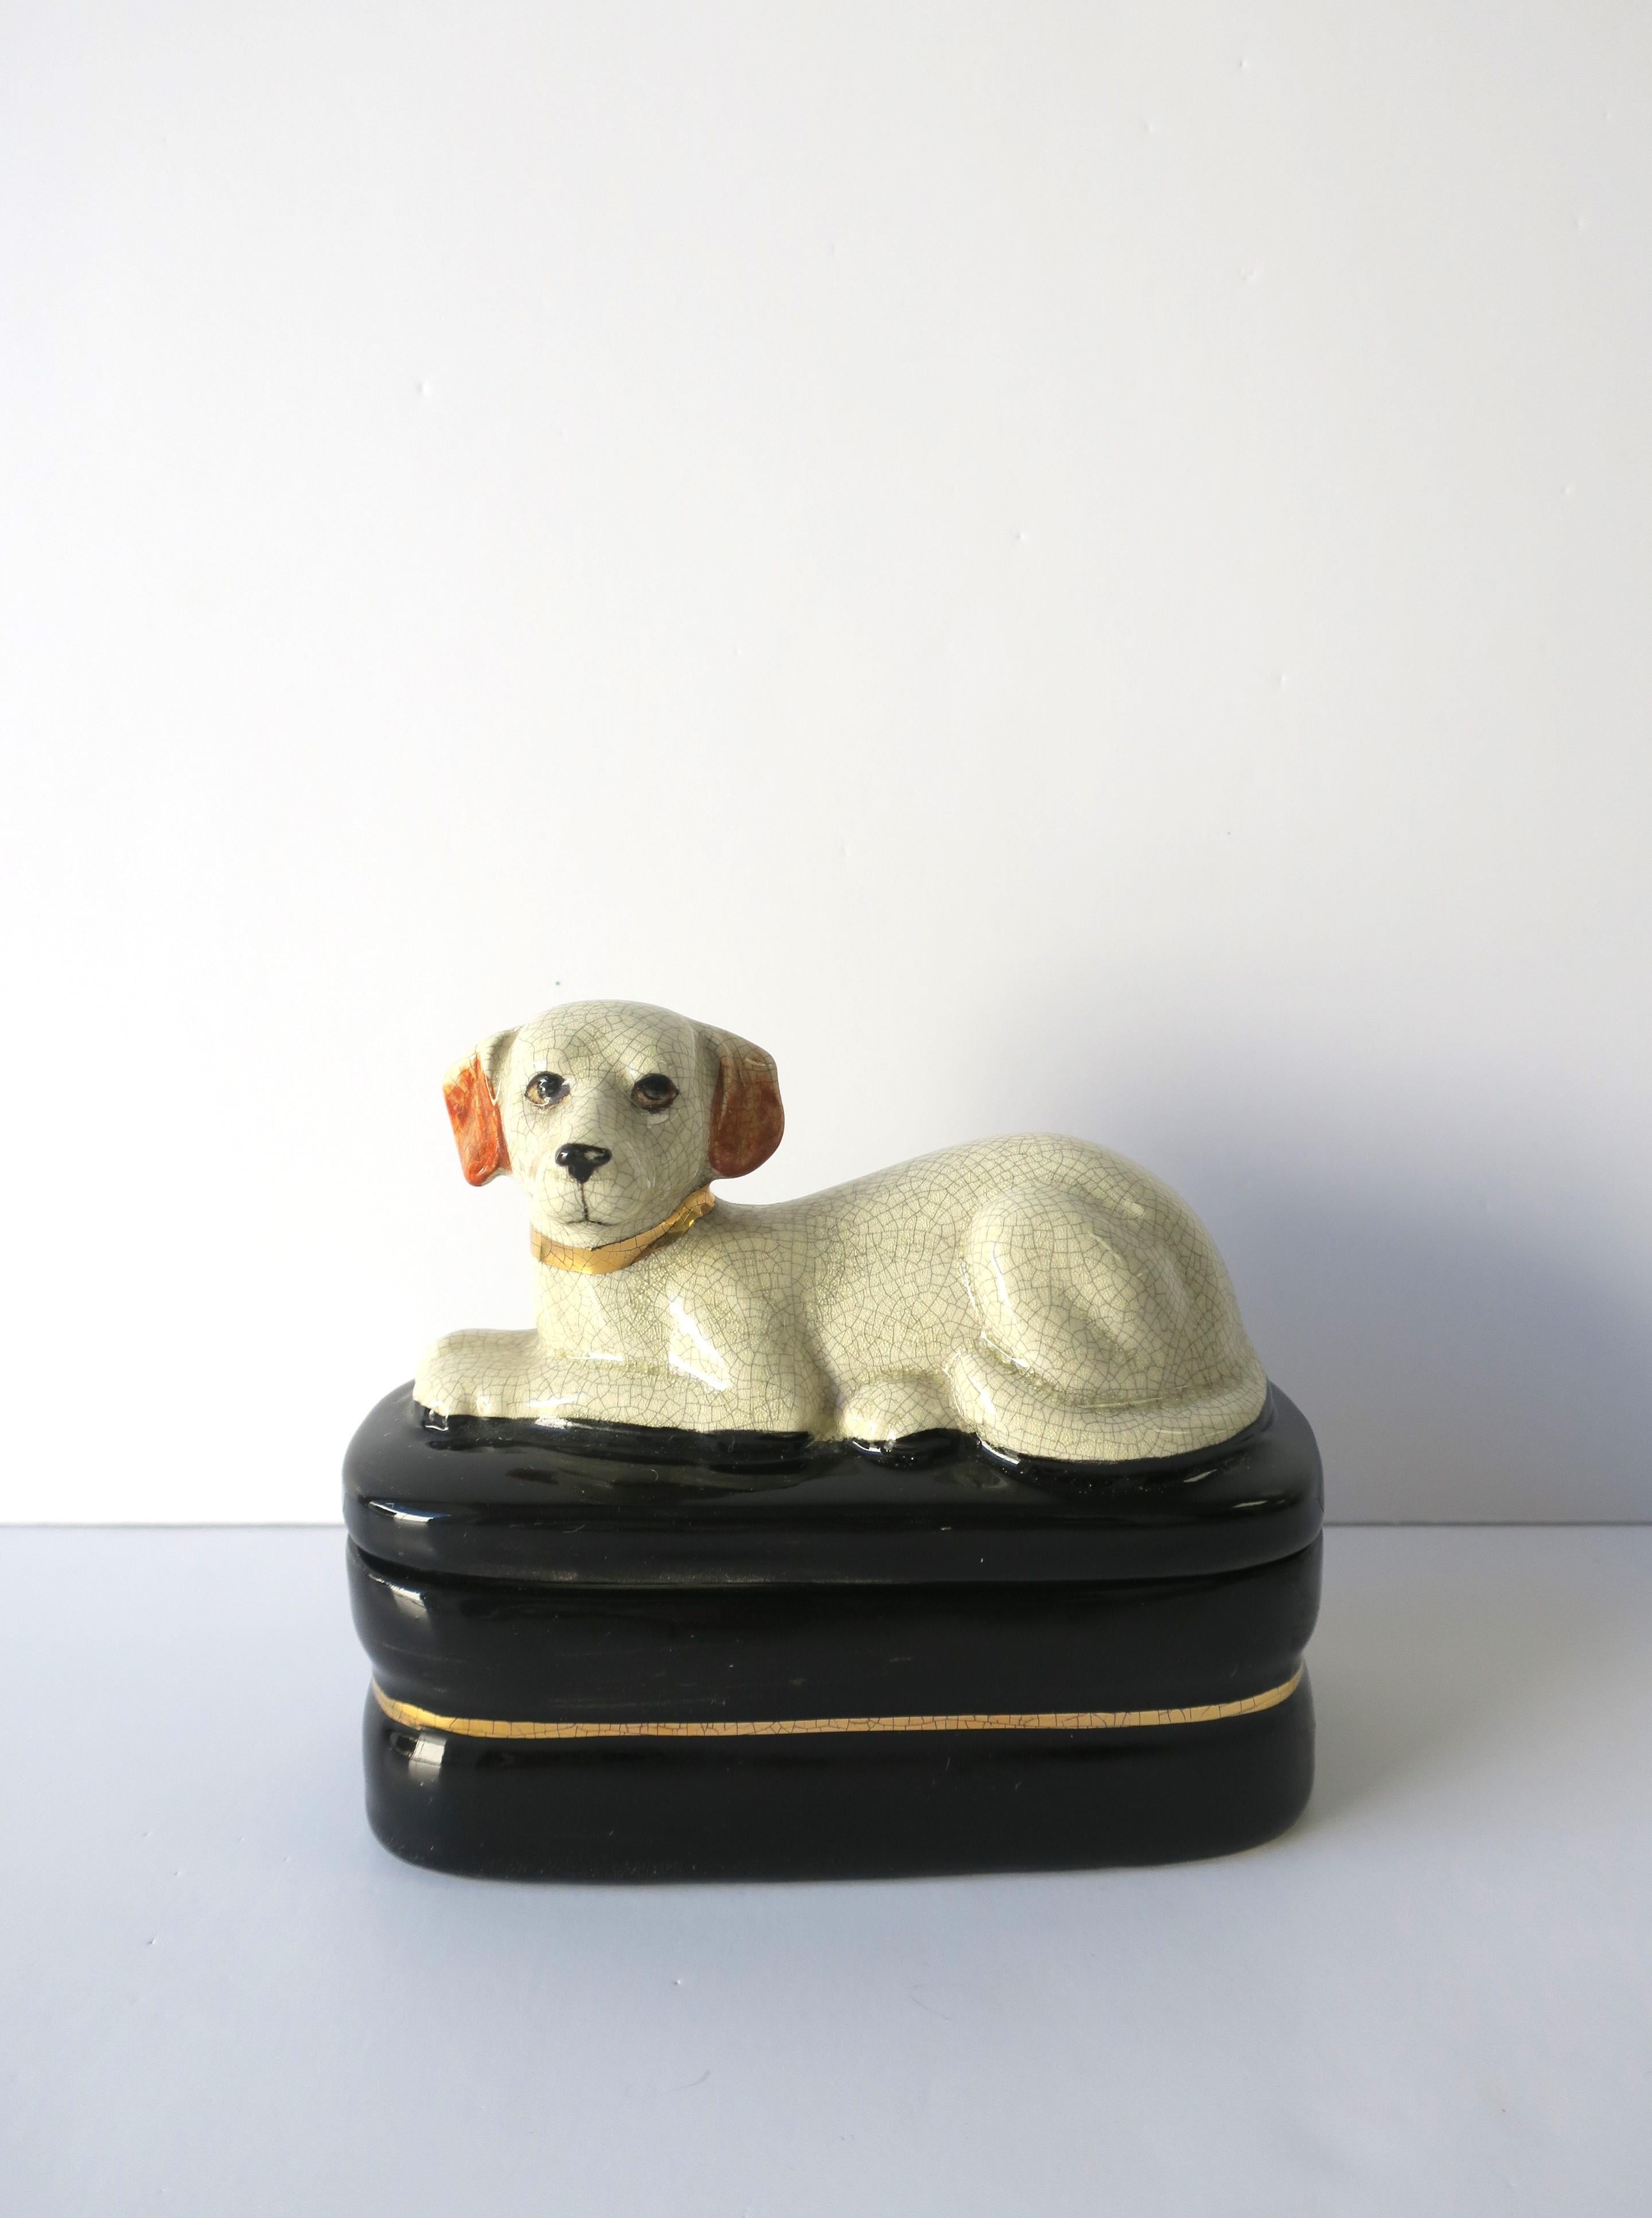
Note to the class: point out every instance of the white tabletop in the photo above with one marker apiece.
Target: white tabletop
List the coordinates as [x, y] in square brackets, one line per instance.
[218, 1995]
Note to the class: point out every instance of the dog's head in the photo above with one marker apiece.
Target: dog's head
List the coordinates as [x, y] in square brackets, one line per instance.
[611, 1113]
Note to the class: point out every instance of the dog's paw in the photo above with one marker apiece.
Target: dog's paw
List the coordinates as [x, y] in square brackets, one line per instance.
[477, 1374]
[892, 1407]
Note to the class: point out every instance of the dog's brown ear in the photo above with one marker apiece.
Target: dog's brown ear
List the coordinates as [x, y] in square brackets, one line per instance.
[747, 1118]
[471, 1091]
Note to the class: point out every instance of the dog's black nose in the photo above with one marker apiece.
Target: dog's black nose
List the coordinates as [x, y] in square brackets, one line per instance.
[578, 1158]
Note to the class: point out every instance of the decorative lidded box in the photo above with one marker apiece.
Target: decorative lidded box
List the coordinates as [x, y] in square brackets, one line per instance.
[942, 1521]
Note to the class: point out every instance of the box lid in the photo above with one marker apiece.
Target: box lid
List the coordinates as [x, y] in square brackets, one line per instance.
[632, 1505]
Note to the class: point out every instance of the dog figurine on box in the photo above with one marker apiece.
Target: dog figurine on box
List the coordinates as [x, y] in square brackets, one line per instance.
[1051, 1298]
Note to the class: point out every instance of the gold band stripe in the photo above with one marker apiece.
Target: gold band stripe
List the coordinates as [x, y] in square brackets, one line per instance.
[1201, 1714]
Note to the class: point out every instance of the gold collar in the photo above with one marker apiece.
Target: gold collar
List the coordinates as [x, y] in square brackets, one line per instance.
[595, 1262]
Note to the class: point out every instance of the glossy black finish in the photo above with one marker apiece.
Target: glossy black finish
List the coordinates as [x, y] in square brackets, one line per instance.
[612, 1574]
[497, 1649]
[633, 1506]
[826, 1808]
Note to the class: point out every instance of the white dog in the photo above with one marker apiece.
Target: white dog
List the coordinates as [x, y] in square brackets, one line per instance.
[1051, 1298]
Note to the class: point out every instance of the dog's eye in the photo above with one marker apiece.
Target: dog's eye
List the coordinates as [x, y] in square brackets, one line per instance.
[655, 1092]
[548, 1085]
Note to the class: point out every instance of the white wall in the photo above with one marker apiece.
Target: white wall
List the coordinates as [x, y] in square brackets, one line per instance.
[1059, 565]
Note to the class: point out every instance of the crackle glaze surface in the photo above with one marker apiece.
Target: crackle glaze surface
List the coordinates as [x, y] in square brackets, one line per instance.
[1043, 1293]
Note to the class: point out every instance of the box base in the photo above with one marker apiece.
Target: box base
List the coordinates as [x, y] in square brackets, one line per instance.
[838, 1804]
[604, 1654]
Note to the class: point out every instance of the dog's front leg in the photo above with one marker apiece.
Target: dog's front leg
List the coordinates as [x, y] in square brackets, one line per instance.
[656, 1344]
[515, 1374]
[677, 1389]
[479, 1374]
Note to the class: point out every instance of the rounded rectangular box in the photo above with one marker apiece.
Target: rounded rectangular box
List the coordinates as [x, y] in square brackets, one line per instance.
[601, 1653]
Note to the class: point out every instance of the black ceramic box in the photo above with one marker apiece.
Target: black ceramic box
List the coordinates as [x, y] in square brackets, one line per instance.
[608, 1652]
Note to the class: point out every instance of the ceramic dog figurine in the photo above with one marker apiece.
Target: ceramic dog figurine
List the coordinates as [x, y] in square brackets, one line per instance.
[1043, 1294]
